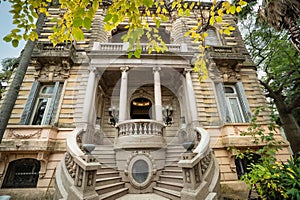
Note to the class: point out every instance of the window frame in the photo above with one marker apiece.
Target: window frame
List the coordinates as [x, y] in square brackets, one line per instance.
[232, 115]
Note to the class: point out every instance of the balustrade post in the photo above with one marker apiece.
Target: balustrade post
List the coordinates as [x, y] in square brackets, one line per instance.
[85, 178]
[191, 171]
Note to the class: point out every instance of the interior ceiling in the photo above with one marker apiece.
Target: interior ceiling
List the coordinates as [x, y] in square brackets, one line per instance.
[137, 77]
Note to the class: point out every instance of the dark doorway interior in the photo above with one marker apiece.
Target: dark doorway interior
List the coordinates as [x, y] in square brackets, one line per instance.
[22, 173]
[140, 108]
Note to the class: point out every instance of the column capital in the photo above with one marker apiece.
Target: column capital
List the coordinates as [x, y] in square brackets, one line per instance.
[156, 69]
[92, 68]
[188, 70]
[124, 68]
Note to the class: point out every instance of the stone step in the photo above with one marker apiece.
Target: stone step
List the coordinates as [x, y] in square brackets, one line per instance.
[107, 174]
[168, 178]
[170, 194]
[107, 168]
[109, 188]
[108, 180]
[105, 156]
[172, 166]
[114, 194]
[109, 165]
[170, 185]
[172, 172]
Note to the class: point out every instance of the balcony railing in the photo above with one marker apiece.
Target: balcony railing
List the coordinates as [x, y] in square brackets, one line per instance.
[140, 134]
[140, 127]
[120, 47]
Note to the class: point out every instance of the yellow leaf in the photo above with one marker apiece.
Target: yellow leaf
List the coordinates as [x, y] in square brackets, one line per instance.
[232, 9]
[219, 19]
[227, 32]
[238, 9]
[242, 3]
[205, 34]
[212, 20]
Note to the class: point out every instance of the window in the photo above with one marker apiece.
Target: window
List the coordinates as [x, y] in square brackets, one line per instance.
[242, 164]
[235, 113]
[41, 106]
[233, 103]
[212, 38]
[22, 173]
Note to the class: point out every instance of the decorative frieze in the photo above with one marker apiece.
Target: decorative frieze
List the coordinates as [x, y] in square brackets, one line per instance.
[53, 70]
[24, 133]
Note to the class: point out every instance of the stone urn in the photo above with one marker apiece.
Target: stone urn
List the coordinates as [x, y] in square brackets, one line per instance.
[88, 148]
[189, 145]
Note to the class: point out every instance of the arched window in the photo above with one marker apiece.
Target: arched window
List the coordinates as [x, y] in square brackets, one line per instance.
[22, 173]
[140, 108]
[212, 38]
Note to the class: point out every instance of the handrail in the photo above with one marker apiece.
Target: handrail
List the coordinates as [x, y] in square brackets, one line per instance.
[203, 146]
[81, 167]
[72, 146]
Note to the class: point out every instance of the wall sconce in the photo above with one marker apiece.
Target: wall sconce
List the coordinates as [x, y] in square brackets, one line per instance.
[167, 112]
[113, 115]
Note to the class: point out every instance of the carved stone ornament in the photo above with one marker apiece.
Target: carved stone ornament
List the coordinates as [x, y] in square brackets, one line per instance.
[54, 69]
[224, 73]
[24, 134]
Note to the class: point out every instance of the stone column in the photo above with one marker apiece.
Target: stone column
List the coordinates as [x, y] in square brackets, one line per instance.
[157, 94]
[89, 97]
[191, 97]
[88, 112]
[123, 94]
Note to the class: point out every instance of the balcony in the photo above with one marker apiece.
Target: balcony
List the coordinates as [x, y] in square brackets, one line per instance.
[142, 133]
[225, 54]
[122, 47]
[45, 52]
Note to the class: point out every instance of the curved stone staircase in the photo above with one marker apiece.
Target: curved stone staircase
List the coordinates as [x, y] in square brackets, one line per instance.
[170, 182]
[186, 175]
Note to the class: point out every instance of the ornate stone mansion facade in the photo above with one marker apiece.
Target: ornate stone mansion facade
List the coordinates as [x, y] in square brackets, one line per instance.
[137, 113]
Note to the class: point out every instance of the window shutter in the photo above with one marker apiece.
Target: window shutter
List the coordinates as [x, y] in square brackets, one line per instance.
[56, 103]
[222, 102]
[52, 103]
[244, 101]
[26, 115]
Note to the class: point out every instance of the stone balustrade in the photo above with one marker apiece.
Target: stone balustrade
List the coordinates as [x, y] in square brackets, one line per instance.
[140, 134]
[140, 127]
[199, 170]
[118, 47]
[81, 167]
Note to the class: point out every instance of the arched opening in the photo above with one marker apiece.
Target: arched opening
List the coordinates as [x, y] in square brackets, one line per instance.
[22, 173]
[140, 108]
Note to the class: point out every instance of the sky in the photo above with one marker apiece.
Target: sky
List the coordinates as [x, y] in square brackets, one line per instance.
[6, 49]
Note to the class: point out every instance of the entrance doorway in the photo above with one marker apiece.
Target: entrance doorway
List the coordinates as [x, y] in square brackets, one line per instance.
[140, 108]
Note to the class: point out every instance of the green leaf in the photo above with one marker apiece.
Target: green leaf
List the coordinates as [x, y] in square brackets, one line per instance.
[7, 38]
[107, 17]
[87, 23]
[78, 34]
[15, 43]
[148, 3]
[77, 22]
[115, 18]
